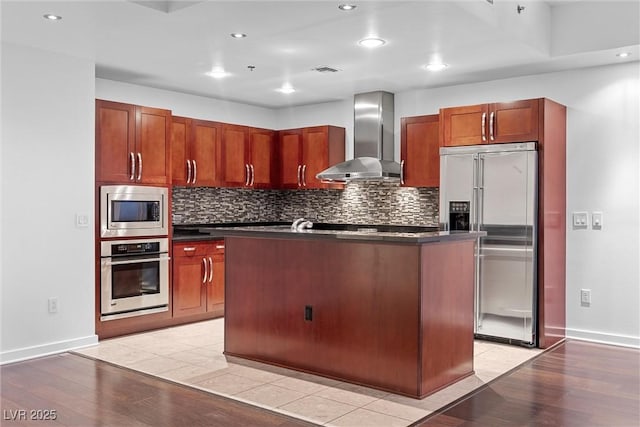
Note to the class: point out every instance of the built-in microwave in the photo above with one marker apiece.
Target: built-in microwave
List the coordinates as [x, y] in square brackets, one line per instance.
[133, 211]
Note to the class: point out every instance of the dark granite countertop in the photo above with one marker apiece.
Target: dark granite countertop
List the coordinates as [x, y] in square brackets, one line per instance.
[373, 233]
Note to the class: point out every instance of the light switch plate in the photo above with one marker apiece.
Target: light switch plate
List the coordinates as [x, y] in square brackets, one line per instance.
[82, 220]
[580, 220]
[596, 220]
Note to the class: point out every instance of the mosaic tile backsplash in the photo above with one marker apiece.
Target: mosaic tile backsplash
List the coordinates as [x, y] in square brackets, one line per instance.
[361, 202]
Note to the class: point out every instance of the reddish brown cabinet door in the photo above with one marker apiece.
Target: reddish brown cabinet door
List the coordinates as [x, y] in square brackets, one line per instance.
[115, 141]
[261, 159]
[180, 148]
[198, 278]
[464, 125]
[153, 137]
[306, 152]
[215, 288]
[315, 155]
[132, 144]
[290, 158]
[194, 144]
[234, 168]
[420, 151]
[190, 275]
[490, 123]
[205, 148]
[514, 121]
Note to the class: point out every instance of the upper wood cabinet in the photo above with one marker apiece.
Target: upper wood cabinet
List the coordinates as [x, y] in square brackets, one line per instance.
[194, 148]
[247, 157]
[132, 144]
[262, 158]
[490, 123]
[420, 151]
[306, 152]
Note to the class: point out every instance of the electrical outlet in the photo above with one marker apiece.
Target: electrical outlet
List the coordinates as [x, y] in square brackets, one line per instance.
[585, 297]
[53, 305]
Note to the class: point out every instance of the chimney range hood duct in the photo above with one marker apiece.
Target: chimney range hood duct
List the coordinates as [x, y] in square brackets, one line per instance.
[373, 121]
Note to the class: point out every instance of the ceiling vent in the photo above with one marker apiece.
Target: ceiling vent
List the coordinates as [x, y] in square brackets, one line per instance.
[325, 69]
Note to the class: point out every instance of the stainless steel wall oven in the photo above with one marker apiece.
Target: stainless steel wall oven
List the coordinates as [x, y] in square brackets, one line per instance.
[134, 278]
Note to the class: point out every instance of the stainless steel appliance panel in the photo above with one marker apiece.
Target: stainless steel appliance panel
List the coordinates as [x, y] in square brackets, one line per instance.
[500, 181]
[133, 211]
[506, 256]
[134, 277]
[457, 171]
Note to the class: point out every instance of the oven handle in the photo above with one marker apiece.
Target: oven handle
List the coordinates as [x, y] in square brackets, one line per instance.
[135, 261]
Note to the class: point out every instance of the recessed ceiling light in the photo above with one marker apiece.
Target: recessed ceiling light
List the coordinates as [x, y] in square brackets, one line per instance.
[52, 17]
[347, 6]
[218, 73]
[371, 42]
[238, 35]
[623, 54]
[435, 66]
[286, 88]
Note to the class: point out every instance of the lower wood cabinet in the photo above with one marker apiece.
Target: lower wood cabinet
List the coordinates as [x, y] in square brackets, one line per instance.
[198, 278]
[398, 317]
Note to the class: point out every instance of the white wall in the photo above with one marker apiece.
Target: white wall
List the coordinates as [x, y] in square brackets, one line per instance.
[603, 140]
[180, 104]
[47, 177]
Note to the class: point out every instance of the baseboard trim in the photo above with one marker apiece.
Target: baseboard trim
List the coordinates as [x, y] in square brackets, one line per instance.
[604, 338]
[26, 353]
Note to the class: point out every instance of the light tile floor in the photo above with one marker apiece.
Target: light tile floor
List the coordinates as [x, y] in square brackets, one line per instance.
[192, 355]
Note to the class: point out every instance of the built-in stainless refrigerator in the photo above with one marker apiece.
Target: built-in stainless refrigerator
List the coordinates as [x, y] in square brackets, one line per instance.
[493, 188]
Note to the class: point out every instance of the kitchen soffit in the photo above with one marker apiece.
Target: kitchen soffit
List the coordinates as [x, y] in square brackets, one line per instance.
[173, 44]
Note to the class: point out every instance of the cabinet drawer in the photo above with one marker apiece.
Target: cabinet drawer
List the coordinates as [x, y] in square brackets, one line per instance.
[190, 249]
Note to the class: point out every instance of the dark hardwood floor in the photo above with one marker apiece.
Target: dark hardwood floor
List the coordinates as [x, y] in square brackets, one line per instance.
[85, 392]
[574, 384]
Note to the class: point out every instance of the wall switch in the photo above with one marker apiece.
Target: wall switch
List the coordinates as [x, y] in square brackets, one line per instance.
[585, 297]
[596, 220]
[580, 220]
[53, 305]
[82, 220]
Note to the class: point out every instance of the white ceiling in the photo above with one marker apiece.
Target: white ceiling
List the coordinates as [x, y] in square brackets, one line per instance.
[172, 44]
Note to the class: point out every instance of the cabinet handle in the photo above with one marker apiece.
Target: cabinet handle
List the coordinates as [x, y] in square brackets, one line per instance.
[195, 172]
[491, 123]
[132, 161]
[219, 246]
[484, 126]
[303, 174]
[188, 171]
[402, 172]
[189, 249]
[299, 167]
[246, 174]
[210, 270]
[140, 169]
[204, 276]
[252, 174]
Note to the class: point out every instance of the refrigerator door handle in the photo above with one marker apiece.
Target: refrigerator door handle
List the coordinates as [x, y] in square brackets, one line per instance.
[473, 220]
[480, 205]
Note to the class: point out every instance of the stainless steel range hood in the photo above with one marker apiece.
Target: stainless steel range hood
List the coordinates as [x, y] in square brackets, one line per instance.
[373, 142]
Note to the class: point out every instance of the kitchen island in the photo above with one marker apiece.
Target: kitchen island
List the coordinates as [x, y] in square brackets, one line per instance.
[388, 310]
